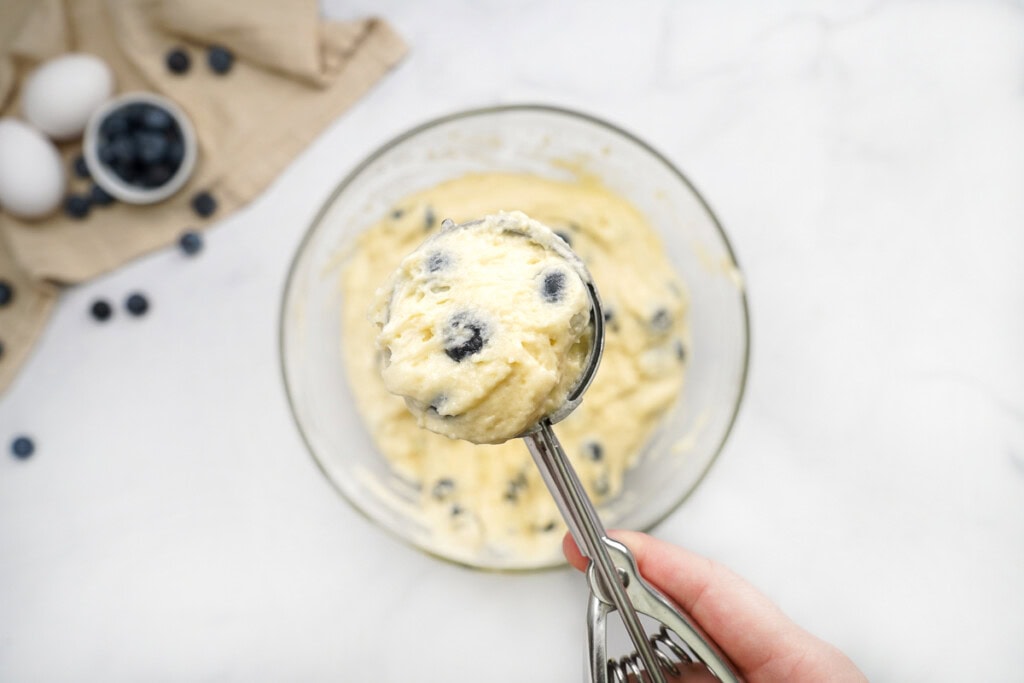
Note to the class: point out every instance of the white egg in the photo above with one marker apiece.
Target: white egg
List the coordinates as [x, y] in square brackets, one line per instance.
[59, 95]
[31, 173]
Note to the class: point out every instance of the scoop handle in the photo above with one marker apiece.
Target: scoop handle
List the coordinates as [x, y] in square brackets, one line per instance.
[588, 531]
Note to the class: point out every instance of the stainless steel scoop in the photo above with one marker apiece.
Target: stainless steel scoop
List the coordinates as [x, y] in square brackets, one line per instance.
[615, 581]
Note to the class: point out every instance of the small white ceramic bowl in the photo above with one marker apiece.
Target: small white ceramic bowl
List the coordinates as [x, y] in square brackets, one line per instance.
[110, 181]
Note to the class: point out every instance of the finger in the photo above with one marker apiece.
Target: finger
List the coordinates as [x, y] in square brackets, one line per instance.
[573, 554]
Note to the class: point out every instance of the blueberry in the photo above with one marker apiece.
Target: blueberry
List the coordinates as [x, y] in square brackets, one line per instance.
[554, 286]
[137, 304]
[220, 59]
[204, 204]
[76, 206]
[594, 451]
[106, 154]
[465, 336]
[123, 149]
[156, 118]
[191, 242]
[564, 236]
[156, 175]
[6, 293]
[175, 153]
[135, 113]
[101, 310]
[443, 488]
[680, 351]
[99, 197]
[128, 171]
[661, 320]
[22, 447]
[81, 170]
[429, 218]
[514, 487]
[116, 123]
[178, 61]
[511, 493]
[438, 261]
[151, 146]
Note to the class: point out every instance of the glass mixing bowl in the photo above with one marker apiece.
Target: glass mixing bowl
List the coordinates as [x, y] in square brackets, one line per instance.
[543, 141]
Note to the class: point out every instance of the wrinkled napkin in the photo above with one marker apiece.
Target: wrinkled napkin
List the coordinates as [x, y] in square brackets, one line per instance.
[293, 74]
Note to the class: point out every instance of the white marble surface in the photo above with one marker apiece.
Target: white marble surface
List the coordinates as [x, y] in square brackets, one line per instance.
[867, 160]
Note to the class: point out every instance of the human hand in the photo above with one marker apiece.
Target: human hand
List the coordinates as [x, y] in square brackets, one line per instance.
[763, 644]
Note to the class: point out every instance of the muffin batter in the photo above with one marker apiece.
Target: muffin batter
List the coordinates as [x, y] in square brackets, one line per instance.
[490, 500]
[484, 328]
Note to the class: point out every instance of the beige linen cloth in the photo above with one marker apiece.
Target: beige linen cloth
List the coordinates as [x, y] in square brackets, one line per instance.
[293, 74]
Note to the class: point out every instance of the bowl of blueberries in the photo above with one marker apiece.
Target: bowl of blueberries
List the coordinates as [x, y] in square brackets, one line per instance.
[140, 147]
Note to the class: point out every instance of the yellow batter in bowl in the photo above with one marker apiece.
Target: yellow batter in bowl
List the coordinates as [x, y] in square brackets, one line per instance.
[491, 496]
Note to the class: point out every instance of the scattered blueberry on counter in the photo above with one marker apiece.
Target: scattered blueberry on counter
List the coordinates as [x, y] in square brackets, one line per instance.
[23, 447]
[178, 61]
[204, 204]
[76, 206]
[191, 242]
[81, 170]
[101, 310]
[220, 59]
[6, 293]
[137, 304]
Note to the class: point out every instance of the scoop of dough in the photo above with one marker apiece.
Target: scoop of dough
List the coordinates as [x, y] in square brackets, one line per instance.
[484, 329]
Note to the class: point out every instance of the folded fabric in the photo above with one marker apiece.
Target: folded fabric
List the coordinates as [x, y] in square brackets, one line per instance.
[293, 74]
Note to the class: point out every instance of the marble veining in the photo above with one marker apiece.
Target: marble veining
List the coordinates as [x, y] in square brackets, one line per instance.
[866, 159]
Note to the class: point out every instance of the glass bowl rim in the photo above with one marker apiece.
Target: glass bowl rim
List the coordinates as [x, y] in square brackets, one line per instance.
[412, 132]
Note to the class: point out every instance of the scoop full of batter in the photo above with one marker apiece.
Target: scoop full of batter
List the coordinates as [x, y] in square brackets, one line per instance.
[484, 328]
